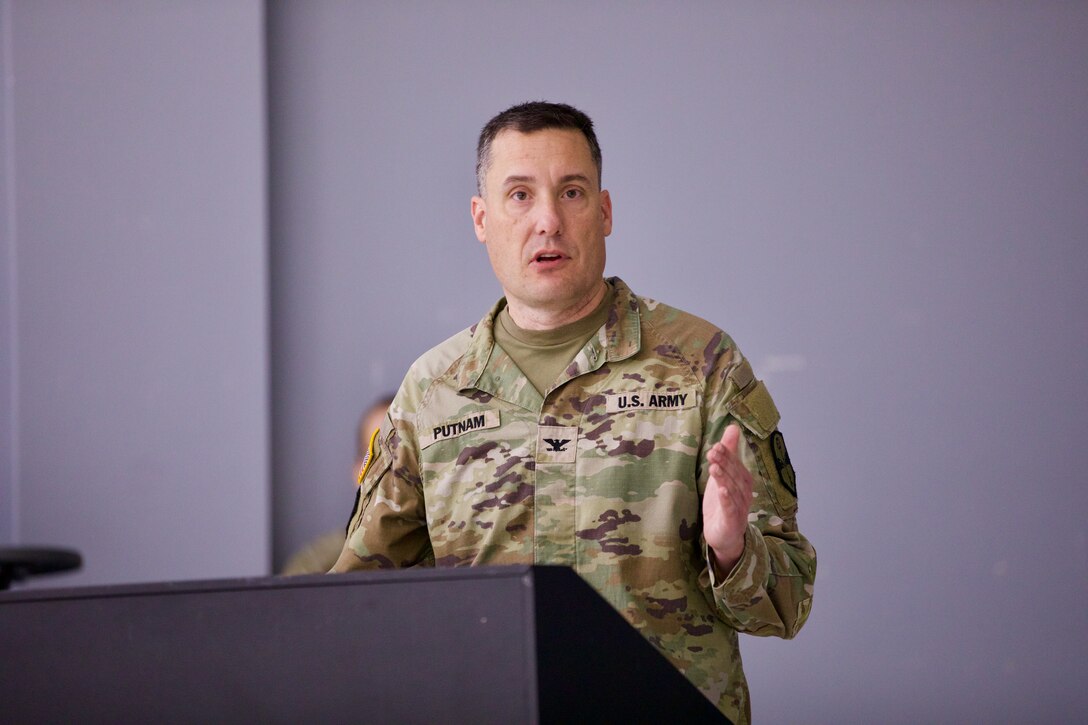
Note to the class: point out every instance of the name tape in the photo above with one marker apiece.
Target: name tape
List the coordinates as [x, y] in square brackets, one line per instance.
[452, 429]
[649, 400]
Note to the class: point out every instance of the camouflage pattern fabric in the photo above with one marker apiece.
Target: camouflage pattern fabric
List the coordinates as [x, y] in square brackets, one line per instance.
[604, 474]
[316, 556]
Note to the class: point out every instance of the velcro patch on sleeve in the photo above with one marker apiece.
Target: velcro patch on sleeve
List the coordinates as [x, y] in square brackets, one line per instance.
[756, 410]
[742, 375]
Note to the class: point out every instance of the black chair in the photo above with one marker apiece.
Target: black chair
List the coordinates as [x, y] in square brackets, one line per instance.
[18, 563]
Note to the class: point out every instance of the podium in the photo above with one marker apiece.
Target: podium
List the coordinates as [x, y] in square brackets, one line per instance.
[464, 645]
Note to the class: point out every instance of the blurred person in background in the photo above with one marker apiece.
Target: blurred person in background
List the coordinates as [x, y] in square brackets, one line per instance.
[318, 555]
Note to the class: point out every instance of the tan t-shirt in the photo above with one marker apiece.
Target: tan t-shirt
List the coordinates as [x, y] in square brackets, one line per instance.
[543, 354]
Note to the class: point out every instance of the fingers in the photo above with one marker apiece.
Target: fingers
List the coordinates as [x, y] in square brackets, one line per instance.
[730, 440]
[732, 487]
[726, 468]
[726, 449]
[725, 507]
[727, 499]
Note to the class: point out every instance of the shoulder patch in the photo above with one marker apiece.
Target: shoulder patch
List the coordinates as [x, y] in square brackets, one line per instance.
[782, 463]
[369, 458]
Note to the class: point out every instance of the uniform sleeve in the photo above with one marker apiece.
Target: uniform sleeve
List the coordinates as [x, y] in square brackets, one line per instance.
[769, 590]
[388, 526]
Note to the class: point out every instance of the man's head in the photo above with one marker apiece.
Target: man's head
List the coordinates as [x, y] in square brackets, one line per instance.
[529, 117]
[541, 212]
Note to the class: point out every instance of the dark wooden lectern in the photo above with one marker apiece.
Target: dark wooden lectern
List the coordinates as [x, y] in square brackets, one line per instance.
[470, 645]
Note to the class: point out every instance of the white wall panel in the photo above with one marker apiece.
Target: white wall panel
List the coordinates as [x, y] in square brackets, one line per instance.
[140, 312]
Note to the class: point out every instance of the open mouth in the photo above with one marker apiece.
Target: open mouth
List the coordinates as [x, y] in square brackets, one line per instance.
[547, 257]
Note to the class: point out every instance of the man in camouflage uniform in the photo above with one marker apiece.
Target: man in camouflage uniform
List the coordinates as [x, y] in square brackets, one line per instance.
[580, 424]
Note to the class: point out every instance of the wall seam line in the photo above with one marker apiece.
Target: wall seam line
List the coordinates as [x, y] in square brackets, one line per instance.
[7, 62]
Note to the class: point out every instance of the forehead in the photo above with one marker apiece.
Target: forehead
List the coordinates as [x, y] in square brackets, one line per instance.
[562, 147]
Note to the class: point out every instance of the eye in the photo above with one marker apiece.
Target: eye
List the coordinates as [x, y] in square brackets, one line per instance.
[519, 195]
[572, 193]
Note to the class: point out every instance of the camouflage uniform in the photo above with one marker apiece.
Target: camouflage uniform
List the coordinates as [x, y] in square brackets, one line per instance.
[316, 556]
[604, 474]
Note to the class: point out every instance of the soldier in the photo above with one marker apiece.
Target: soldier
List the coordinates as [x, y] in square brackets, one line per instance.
[317, 555]
[581, 424]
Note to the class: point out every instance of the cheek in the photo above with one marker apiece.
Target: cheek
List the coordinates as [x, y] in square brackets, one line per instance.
[503, 256]
[507, 226]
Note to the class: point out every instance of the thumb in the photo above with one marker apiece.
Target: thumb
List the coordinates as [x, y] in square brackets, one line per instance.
[730, 437]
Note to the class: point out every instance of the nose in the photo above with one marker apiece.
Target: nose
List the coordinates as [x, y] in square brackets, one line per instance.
[547, 217]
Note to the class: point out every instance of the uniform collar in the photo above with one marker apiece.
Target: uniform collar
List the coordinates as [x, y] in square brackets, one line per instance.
[485, 366]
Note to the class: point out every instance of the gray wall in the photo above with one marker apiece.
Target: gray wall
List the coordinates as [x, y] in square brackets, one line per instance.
[9, 465]
[135, 297]
[884, 203]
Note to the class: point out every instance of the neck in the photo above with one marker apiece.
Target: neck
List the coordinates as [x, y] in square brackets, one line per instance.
[533, 318]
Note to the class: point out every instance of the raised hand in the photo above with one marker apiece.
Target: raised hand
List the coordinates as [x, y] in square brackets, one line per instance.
[726, 501]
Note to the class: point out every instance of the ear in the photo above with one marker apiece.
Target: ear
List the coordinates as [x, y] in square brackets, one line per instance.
[479, 214]
[606, 211]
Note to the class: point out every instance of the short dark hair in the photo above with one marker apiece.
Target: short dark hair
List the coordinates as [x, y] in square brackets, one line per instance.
[529, 117]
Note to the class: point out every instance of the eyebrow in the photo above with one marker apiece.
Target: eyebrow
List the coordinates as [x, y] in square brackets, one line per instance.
[515, 179]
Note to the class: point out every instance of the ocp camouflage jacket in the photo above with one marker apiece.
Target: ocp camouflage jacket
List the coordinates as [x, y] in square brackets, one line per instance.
[603, 474]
